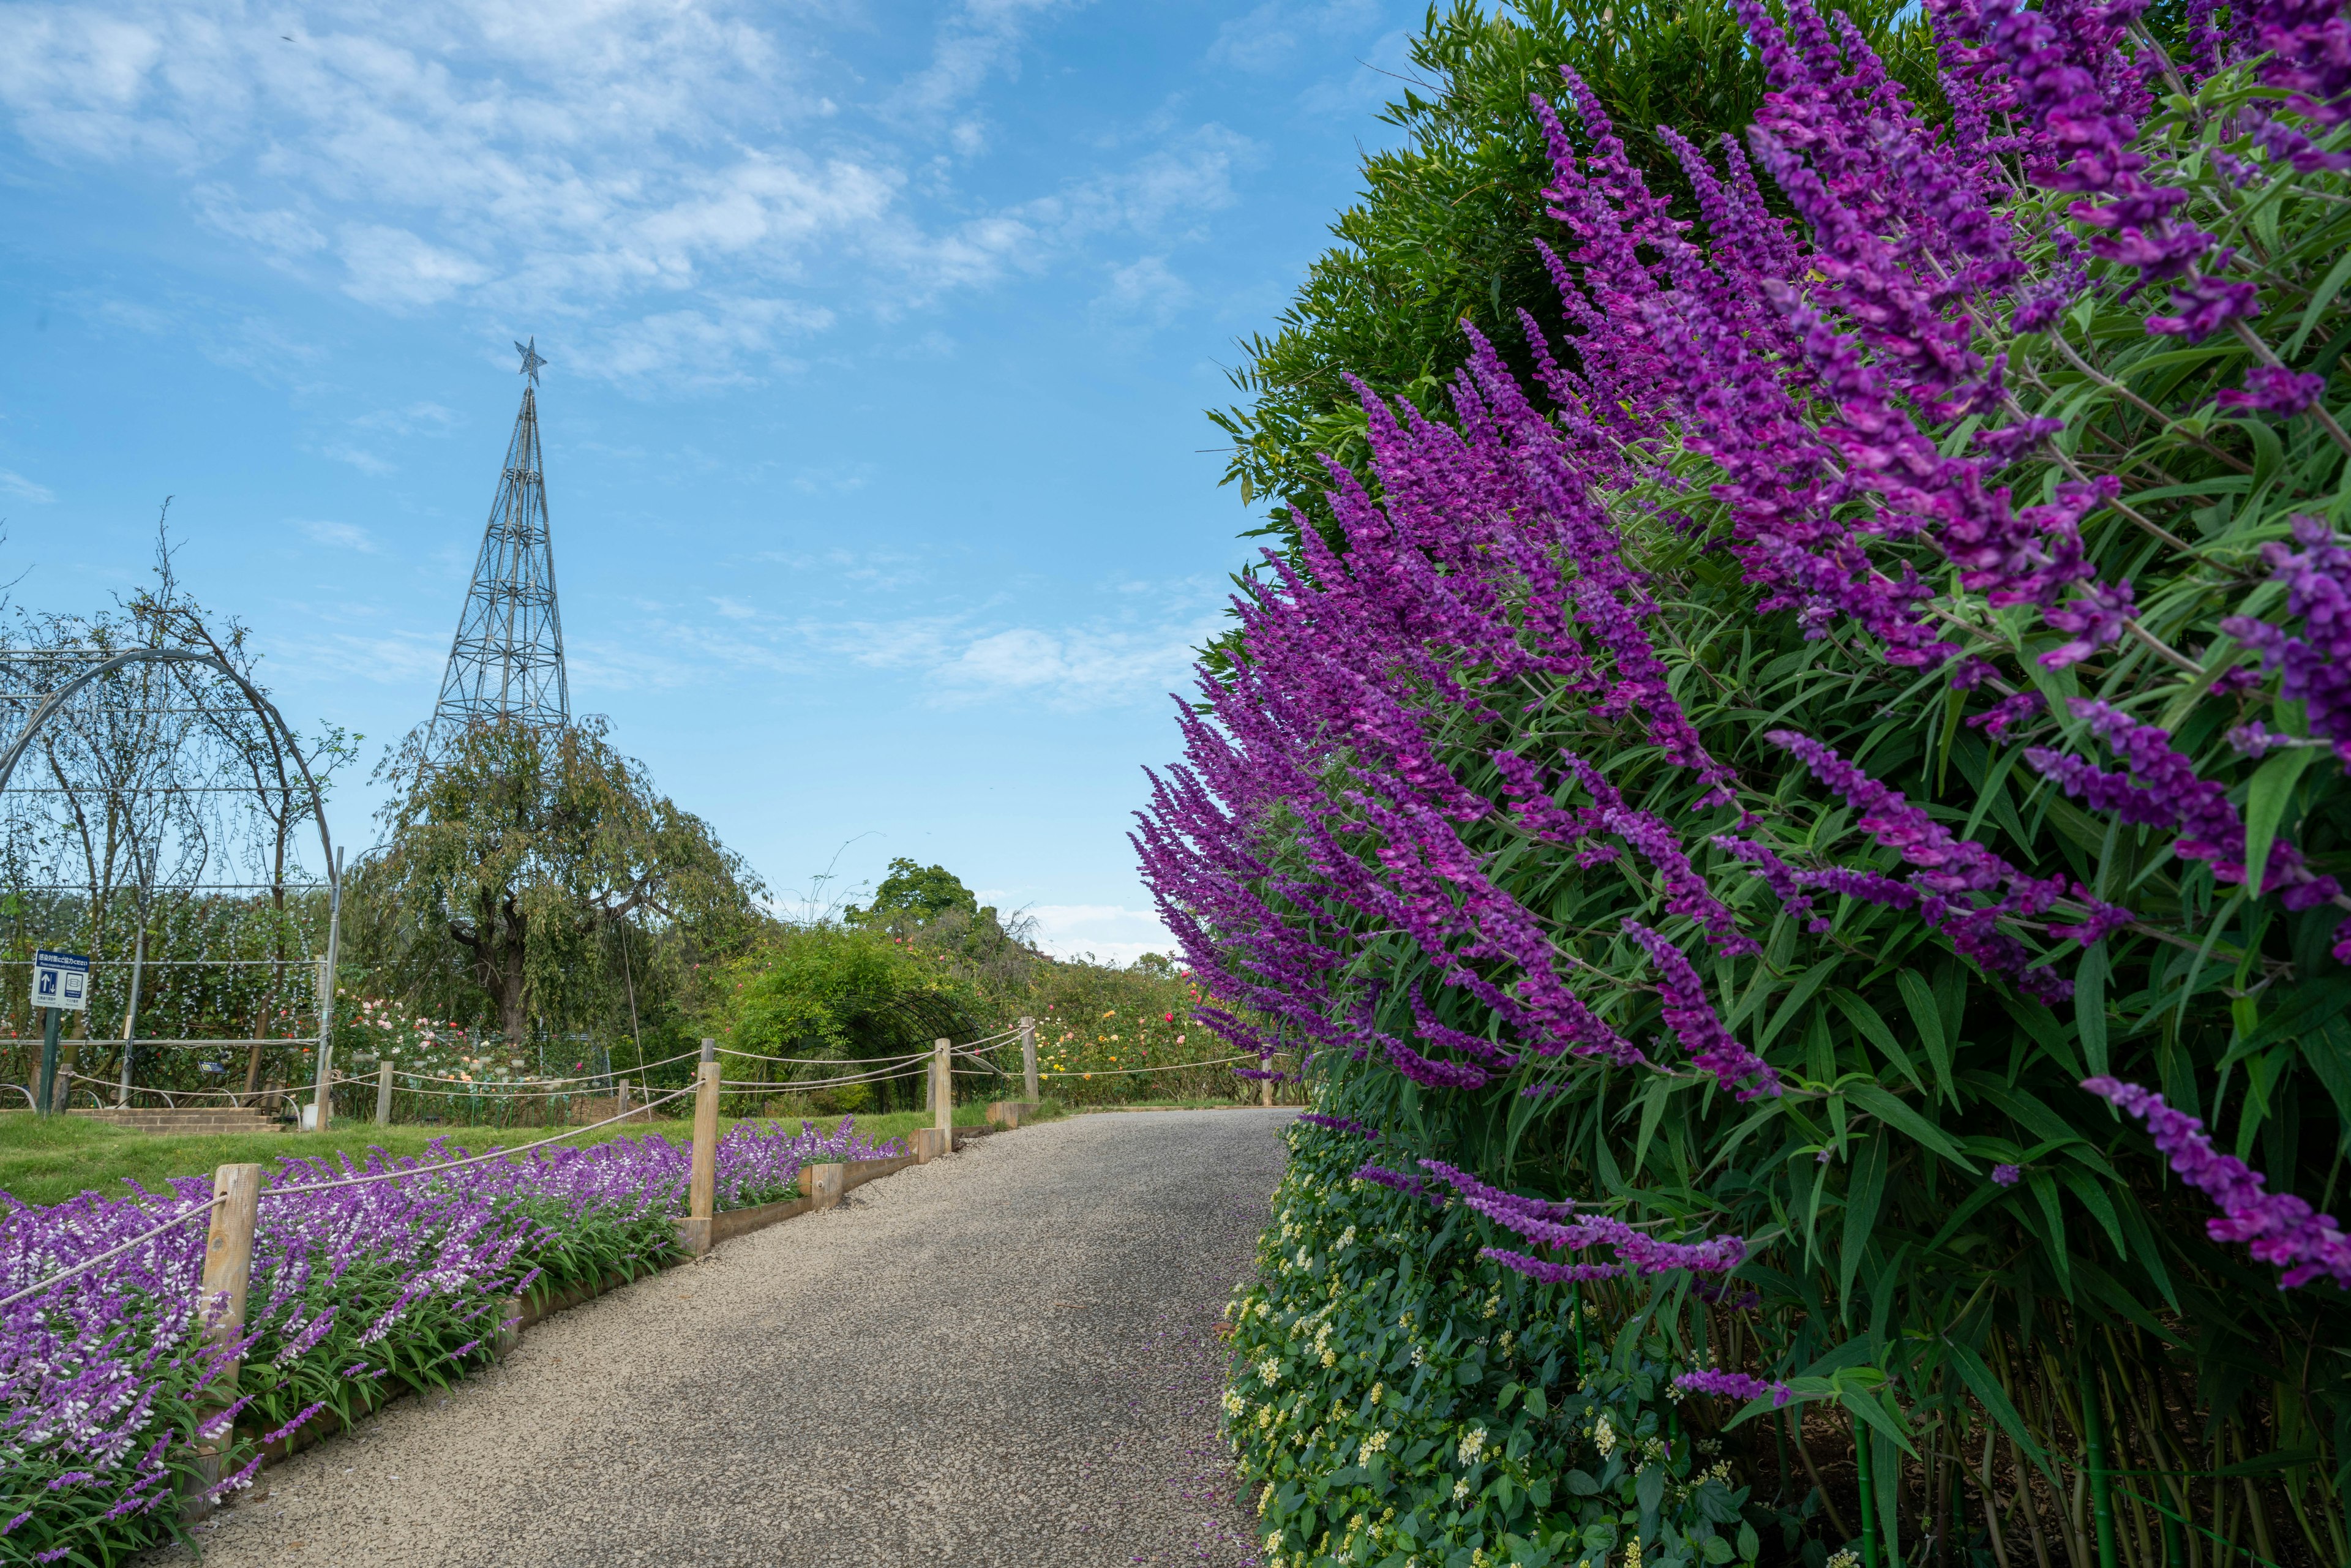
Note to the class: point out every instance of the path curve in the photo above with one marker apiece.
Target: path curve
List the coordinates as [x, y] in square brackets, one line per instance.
[1000, 1357]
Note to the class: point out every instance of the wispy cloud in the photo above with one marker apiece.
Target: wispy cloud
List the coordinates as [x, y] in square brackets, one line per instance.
[670, 184]
[1276, 32]
[416, 419]
[1110, 932]
[346, 535]
[15, 483]
[359, 458]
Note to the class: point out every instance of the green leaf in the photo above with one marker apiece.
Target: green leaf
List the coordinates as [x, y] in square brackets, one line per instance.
[1865, 1193]
[2090, 1008]
[1868, 1406]
[1994, 1399]
[1927, 1017]
[1801, 993]
[1749, 1544]
[1882, 1104]
[2320, 299]
[1649, 1490]
[1866, 1019]
[2265, 808]
[2327, 1049]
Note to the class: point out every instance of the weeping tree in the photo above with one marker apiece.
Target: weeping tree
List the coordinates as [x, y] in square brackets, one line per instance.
[527, 870]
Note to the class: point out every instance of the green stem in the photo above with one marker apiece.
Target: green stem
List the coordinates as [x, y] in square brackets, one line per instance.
[1868, 1495]
[2094, 1438]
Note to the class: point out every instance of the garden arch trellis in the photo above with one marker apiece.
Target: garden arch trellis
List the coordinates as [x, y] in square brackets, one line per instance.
[213, 717]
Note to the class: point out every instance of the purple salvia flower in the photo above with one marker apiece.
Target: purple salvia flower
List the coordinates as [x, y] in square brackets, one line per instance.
[2315, 667]
[1692, 1019]
[1734, 1385]
[1777, 874]
[2274, 389]
[2282, 1230]
[2160, 788]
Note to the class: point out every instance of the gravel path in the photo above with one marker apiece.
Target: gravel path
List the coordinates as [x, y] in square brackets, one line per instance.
[999, 1357]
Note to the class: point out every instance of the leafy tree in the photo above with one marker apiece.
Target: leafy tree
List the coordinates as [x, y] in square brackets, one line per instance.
[917, 894]
[515, 865]
[840, 993]
[1446, 227]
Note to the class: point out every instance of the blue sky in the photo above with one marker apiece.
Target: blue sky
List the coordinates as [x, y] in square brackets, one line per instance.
[879, 335]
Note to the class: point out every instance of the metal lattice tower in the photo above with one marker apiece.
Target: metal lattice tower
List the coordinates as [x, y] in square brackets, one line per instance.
[507, 657]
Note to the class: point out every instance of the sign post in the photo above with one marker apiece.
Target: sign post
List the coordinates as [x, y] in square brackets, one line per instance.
[60, 983]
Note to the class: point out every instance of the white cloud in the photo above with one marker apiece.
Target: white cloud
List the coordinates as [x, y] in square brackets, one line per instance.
[359, 458]
[1272, 36]
[15, 483]
[979, 39]
[734, 609]
[1082, 667]
[392, 267]
[1143, 290]
[1109, 932]
[416, 419]
[407, 657]
[347, 536]
[659, 186]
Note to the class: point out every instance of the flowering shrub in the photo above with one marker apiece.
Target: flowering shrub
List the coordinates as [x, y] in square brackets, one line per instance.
[1399, 1397]
[358, 1291]
[1869, 699]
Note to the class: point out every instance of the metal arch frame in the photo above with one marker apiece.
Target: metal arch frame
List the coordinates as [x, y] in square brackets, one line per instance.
[263, 705]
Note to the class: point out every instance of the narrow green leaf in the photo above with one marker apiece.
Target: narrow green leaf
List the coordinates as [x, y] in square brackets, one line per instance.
[2316, 311]
[2265, 808]
[1883, 1105]
[1866, 1019]
[1994, 1399]
[2327, 1049]
[1865, 1194]
[1804, 987]
[1926, 1017]
[2090, 1007]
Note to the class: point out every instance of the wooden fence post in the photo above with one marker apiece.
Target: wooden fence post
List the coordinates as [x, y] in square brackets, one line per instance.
[383, 1094]
[942, 1096]
[823, 1184]
[1028, 1060]
[694, 1230]
[620, 1099]
[323, 1098]
[1265, 1085]
[228, 1270]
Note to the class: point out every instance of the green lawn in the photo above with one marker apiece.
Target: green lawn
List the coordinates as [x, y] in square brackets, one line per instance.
[49, 1160]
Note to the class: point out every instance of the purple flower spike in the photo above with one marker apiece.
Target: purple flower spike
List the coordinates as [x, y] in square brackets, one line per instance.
[1734, 1385]
[2007, 1176]
[2282, 1230]
[2273, 389]
[1693, 1021]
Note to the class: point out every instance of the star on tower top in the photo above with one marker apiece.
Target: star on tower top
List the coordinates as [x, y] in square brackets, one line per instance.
[530, 358]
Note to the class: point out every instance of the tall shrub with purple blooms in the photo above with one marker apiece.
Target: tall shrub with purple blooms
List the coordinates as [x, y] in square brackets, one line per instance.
[1755, 776]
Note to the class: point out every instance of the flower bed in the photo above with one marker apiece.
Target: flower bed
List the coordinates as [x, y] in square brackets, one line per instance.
[359, 1291]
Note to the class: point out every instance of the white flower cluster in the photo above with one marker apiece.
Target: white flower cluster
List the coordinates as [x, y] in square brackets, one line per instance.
[1472, 1443]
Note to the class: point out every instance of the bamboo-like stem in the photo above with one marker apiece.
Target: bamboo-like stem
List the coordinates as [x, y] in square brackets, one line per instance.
[1992, 1503]
[2031, 1510]
[2254, 1505]
[1828, 1504]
